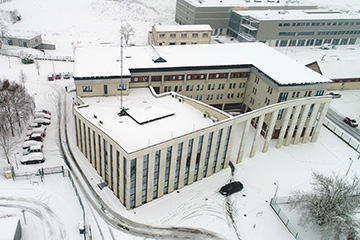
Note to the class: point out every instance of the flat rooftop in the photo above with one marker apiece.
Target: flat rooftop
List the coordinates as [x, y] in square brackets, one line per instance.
[322, 14]
[349, 69]
[244, 3]
[279, 67]
[151, 121]
[178, 28]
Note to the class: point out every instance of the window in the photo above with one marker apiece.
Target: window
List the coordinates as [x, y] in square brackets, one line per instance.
[173, 35]
[202, 76]
[121, 87]
[319, 93]
[145, 177]
[306, 33]
[184, 35]
[194, 42]
[136, 79]
[287, 33]
[161, 35]
[87, 88]
[172, 43]
[283, 43]
[205, 34]
[195, 34]
[183, 43]
[156, 174]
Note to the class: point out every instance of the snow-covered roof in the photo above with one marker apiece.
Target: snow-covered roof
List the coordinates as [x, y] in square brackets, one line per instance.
[322, 14]
[349, 69]
[22, 34]
[8, 227]
[178, 28]
[99, 62]
[152, 120]
[244, 3]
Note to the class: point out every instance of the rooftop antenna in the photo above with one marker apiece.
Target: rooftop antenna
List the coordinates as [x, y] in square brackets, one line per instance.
[122, 108]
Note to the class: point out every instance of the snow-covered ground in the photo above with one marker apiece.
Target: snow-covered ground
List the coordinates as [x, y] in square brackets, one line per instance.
[68, 23]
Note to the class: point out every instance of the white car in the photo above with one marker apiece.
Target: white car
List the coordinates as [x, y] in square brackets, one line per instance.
[33, 158]
[41, 115]
[42, 121]
[33, 149]
[28, 144]
[41, 130]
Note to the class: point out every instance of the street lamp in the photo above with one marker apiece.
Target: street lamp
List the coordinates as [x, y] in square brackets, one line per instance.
[349, 167]
[16, 162]
[23, 212]
[277, 187]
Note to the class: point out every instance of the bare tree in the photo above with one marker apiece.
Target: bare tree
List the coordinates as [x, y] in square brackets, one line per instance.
[37, 66]
[22, 76]
[127, 31]
[331, 207]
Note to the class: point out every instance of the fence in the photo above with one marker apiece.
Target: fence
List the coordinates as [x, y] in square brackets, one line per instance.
[274, 205]
[342, 134]
[38, 57]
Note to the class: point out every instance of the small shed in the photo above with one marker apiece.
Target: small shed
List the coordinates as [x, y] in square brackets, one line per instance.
[10, 228]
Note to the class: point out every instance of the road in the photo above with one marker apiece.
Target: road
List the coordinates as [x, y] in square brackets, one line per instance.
[339, 121]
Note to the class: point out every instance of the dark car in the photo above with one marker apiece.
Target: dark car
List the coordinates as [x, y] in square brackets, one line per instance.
[351, 122]
[231, 188]
[334, 95]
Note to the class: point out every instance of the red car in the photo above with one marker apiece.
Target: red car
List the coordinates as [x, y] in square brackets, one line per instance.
[351, 122]
[57, 75]
[51, 77]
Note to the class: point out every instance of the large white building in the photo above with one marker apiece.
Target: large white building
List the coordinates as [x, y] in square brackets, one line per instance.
[171, 137]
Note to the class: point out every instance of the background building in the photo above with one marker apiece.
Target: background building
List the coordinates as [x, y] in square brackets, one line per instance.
[296, 27]
[180, 35]
[216, 13]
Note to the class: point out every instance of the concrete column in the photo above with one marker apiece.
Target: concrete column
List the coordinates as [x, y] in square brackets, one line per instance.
[183, 164]
[221, 149]
[320, 122]
[172, 168]
[185, 77]
[285, 123]
[193, 160]
[304, 113]
[139, 178]
[162, 167]
[310, 123]
[243, 141]
[150, 182]
[162, 80]
[202, 156]
[115, 173]
[230, 145]
[207, 78]
[127, 186]
[121, 176]
[270, 130]
[292, 125]
[228, 78]
[257, 135]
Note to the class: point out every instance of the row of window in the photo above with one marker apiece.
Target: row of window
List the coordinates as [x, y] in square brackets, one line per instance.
[218, 96]
[89, 88]
[200, 87]
[318, 33]
[184, 35]
[316, 24]
[314, 42]
[190, 77]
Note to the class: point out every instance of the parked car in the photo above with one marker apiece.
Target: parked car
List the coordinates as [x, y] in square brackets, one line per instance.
[42, 121]
[29, 143]
[334, 95]
[51, 77]
[66, 75]
[351, 122]
[35, 136]
[41, 115]
[57, 75]
[33, 149]
[34, 125]
[41, 130]
[231, 188]
[33, 158]
[43, 110]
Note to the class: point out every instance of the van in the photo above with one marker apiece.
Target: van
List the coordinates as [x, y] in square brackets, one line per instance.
[33, 158]
[33, 149]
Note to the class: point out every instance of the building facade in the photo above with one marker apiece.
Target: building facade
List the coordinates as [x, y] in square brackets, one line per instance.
[296, 28]
[260, 86]
[180, 35]
[217, 13]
